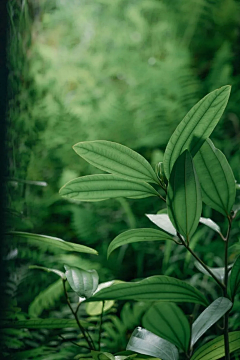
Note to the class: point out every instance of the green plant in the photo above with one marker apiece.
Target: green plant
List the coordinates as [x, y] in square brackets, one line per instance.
[193, 171]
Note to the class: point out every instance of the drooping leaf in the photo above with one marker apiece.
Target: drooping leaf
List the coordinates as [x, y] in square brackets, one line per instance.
[169, 322]
[234, 282]
[218, 272]
[55, 271]
[214, 350]
[101, 187]
[116, 159]
[154, 288]
[137, 235]
[51, 241]
[95, 308]
[145, 342]
[43, 324]
[83, 282]
[216, 178]
[211, 224]
[209, 317]
[196, 126]
[184, 196]
[163, 221]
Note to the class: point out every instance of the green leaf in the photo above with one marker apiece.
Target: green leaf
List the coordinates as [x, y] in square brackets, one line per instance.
[42, 324]
[57, 272]
[154, 288]
[216, 178]
[51, 241]
[83, 282]
[145, 342]
[209, 317]
[184, 196]
[218, 272]
[102, 187]
[196, 126]
[211, 224]
[234, 282]
[99, 355]
[214, 349]
[163, 222]
[116, 159]
[137, 235]
[95, 308]
[169, 322]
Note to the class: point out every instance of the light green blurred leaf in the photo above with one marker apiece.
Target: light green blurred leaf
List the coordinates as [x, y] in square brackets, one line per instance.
[95, 308]
[83, 282]
[116, 159]
[216, 178]
[169, 322]
[137, 235]
[99, 355]
[184, 196]
[102, 187]
[214, 349]
[145, 342]
[154, 288]
[196, 126]
[51, 241]
[218, 271]
[209, 317]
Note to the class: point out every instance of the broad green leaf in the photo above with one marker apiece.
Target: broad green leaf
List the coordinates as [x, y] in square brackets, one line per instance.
[209, 317]
[101, 187]
[214, 350]
[43, 324]
[83, 282]
[216, 178]
[211, 224]
[51, 241]
[116, 159]
[154, 288]
[95, 308]
[99, 355]
[163, 222]
[235, 278]
[218, 272]
[196, 126]
[137, 235]
[145, 342]
[169, 322]
[57, 272]
[184, 196]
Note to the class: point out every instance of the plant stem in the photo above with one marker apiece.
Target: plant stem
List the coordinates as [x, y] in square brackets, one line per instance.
[100, 328]
[226, 339]
[201, 262]
[90, 344]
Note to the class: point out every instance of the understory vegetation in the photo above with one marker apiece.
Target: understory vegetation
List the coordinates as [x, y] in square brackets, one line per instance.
[116, 78]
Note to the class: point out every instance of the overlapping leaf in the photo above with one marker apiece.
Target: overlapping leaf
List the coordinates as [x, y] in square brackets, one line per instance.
[55, 271]
[106, 186]
[116, 159]
[169, 322]
[209, 317]
[154, 288]
[196, 126]
[137, 235]
[83, 282]
[145, 342]
[51, 241]
[184, 196]
[216, 178]
[163, 222]
[211, 224]
[218, 272]
[214, 349]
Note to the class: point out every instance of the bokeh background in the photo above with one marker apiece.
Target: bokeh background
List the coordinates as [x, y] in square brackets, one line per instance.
[121, 70]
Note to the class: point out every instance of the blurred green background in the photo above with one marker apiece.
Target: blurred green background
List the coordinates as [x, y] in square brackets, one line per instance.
[125, 71]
